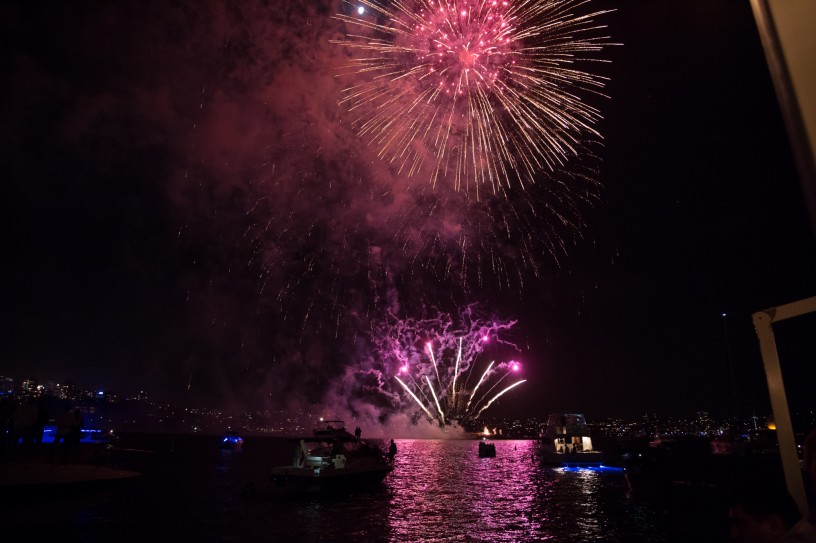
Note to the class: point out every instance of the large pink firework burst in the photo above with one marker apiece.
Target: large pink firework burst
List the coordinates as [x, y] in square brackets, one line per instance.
[486, 93]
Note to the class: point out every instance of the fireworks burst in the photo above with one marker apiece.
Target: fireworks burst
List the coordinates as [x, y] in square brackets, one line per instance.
[435, 363]
[484, 92]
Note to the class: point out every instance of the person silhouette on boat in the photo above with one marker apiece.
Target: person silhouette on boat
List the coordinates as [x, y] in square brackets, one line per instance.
[75, 435]
[42, 420]
[392, 451]
[69, 431]
[24, 419]
[357, 433]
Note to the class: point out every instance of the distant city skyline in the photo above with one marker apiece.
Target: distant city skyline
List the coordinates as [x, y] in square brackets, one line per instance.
[139, 414]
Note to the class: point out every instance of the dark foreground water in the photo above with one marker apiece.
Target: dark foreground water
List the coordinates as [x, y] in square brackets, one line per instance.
[439, 491]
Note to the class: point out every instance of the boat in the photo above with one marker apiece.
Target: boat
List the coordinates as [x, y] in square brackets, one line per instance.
[663, 439]
[566, 442]
[231, 441]
[330, 460]
[487, 450]
[35, 491]
[728, 443]
[87, 435]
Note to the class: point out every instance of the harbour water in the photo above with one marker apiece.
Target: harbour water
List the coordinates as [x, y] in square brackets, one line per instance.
[440, 491]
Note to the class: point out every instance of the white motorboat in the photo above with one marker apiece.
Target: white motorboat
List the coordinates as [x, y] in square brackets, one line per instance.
[330, 460]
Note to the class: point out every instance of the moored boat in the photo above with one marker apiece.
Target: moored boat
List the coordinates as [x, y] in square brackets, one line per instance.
[232, 441]
[330, 460]
[32, 491]
[566, 442]
[487, 450]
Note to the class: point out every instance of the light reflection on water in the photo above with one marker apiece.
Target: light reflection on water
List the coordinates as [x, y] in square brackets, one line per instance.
[440, 490]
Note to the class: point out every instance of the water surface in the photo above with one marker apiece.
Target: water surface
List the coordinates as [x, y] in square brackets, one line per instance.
[440, 491]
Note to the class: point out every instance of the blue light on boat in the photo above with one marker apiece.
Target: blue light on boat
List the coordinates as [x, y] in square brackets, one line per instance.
[231, 441]
[592, 468]
[88, 435]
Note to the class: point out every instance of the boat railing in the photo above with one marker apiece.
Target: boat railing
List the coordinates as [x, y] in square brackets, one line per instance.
[568, 430]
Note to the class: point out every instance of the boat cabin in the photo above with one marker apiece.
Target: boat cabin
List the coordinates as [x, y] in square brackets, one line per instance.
[316, 453]
[567, 433]
[331, 446]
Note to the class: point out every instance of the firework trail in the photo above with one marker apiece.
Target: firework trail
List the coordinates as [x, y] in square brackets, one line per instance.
[473, 393]
[442, 369]
[496, 397]
[486, 92]
[456, 371]
[436, 400]
[410, 393]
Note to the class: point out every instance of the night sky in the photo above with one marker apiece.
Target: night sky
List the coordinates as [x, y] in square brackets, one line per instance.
[188, 211]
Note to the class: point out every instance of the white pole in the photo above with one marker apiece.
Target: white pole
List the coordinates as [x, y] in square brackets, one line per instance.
[776, 388]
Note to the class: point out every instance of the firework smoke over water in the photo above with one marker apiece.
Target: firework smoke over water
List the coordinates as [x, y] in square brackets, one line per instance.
[442, 365]
[488, 92]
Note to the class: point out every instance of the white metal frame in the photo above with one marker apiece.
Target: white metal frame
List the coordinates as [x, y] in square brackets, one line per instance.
[763, 321]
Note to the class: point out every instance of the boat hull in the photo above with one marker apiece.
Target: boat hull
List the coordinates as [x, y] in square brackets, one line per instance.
[291, 481]
[487, 450]
[332, 460]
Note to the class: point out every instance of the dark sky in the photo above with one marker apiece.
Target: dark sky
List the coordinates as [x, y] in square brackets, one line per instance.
[188, 211]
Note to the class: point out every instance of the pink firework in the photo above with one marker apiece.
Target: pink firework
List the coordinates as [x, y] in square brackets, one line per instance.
[465, 48]
[485, 93]
[442, 364]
